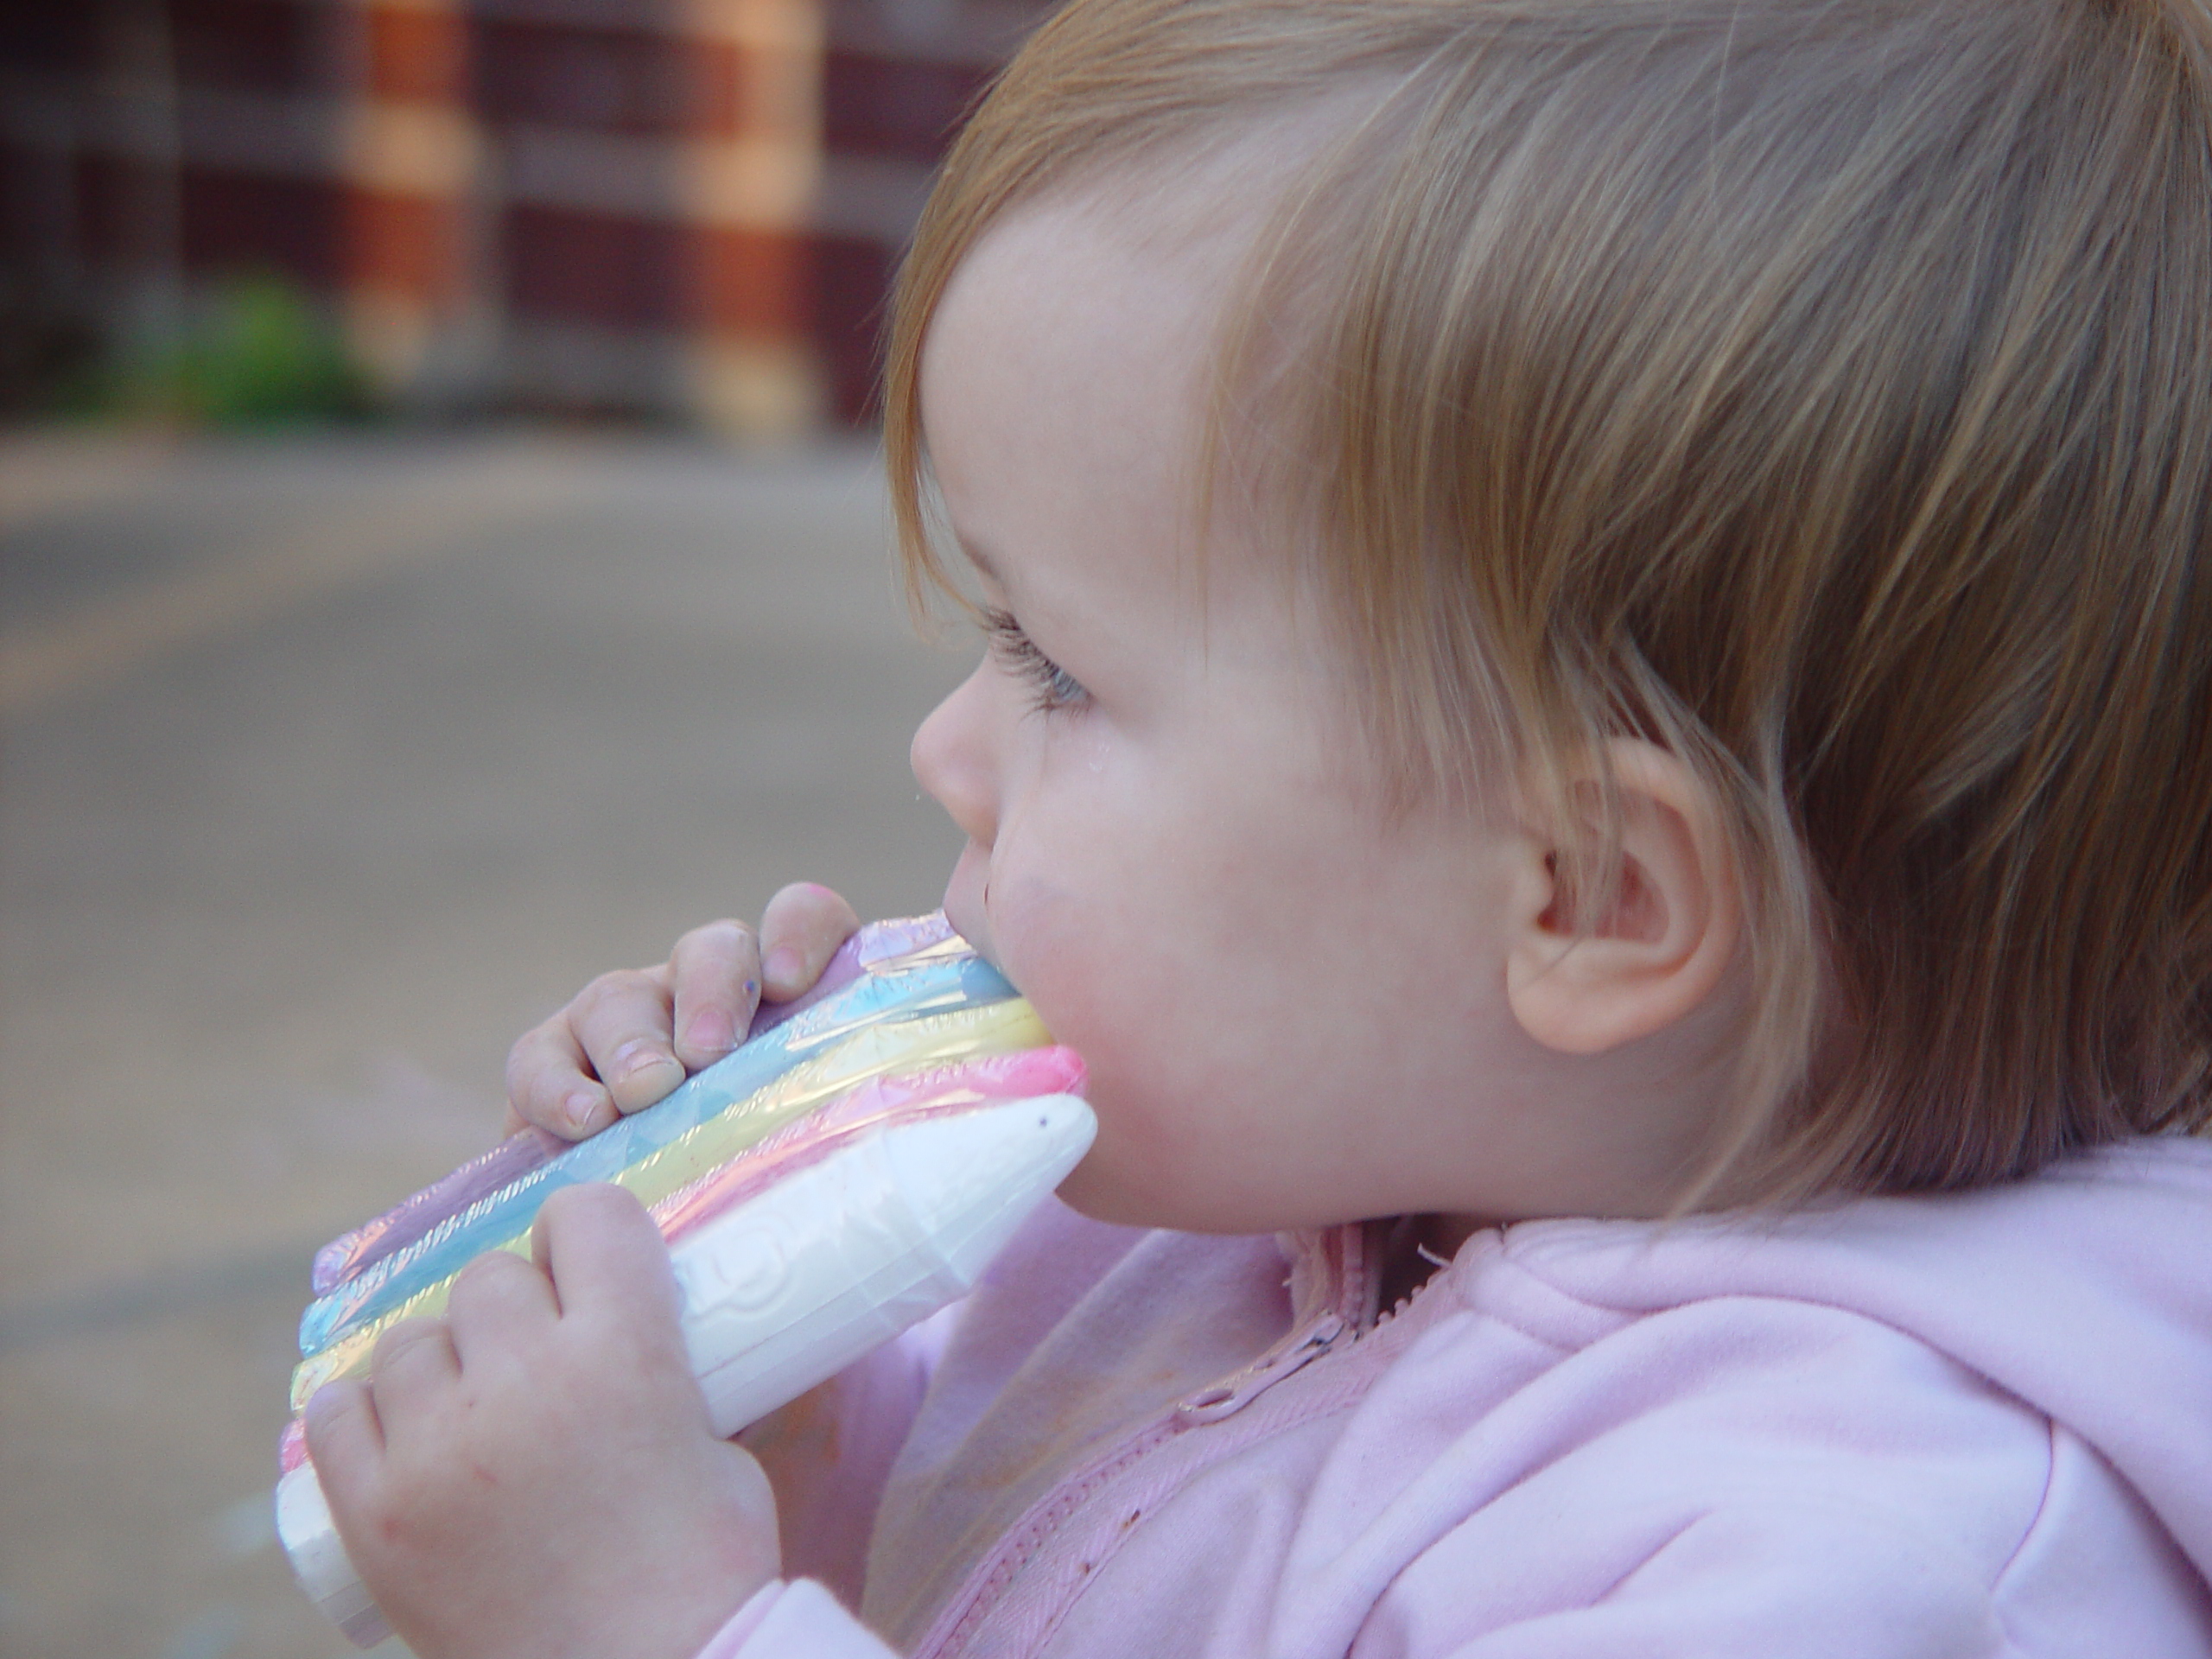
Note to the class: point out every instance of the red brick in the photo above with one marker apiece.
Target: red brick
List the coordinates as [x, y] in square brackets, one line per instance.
[263, 46]
[752, 283]
[849, 295]
[882, 107]
[631, 81]
[717, 73]
[247, 221]
[409, 246]
[417, 57]
[604, 268]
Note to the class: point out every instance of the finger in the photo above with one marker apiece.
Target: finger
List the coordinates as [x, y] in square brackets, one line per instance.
[414, 1361]
[549, 1083]
[800, 931]
[624, 1022]
[749, 1487]
[715, 972]
[609, 1262]
[345, 1441]
[498, 1302]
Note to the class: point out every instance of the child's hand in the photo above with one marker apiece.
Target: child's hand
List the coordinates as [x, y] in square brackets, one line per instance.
[629, 1037]
[535, 1474]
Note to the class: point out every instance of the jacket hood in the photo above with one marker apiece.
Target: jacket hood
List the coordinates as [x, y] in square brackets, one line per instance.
[2085, 1291]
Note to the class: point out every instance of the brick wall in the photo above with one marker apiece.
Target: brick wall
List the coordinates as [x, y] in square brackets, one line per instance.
[684, 207]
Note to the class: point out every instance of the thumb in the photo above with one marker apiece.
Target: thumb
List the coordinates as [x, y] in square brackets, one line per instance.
[609, 1262]
[345, 1441]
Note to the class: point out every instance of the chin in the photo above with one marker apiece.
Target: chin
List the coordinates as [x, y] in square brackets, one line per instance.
[1090, 1191]
[1105, 1186]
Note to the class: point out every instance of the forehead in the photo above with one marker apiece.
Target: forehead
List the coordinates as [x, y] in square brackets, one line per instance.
[1065, 322]
[1135, 270]
[1063, 383]
[1066, 395]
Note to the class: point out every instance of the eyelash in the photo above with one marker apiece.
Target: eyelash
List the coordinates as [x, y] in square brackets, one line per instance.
[1053, 688]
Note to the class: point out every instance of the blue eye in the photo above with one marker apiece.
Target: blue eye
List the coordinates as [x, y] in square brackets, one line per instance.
[1053, 688]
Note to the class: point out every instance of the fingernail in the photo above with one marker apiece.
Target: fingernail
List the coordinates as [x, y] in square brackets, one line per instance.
[639, 1056]
[578, 1107]
[710, 1032]
[783, 966]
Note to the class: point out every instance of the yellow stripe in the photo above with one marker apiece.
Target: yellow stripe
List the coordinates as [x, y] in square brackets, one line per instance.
[873, 1052]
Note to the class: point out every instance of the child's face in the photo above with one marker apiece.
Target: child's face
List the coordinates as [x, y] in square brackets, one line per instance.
[1291, 998]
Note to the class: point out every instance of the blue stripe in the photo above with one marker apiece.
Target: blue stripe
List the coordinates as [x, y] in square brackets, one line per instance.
[878, 998]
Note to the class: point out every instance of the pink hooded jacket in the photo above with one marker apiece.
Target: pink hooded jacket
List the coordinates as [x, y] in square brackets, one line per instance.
[1947, 1426]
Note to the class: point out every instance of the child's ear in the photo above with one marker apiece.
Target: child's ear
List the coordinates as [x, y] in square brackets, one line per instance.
[1667, 941]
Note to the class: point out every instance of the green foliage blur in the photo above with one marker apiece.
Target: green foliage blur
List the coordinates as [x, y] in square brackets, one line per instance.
[256, 352]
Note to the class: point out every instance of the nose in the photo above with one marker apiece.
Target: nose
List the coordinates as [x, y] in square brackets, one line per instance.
[952, 758]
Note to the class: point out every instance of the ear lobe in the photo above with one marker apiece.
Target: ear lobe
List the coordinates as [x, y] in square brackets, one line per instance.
[1665, 942]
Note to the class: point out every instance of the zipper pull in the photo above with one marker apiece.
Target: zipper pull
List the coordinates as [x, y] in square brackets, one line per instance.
[1237, 1390]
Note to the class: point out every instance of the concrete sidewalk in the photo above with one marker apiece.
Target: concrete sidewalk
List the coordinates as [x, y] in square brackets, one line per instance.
[326, 766]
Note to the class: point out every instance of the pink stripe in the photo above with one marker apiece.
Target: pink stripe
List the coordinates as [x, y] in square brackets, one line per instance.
[348, 1256]
[950, 1089]
[291, 1447]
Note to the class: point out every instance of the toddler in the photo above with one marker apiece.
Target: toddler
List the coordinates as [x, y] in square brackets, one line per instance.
[1596, 719]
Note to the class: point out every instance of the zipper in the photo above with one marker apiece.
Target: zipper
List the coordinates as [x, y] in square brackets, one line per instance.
[1347, 1306]
[996, 1571]
[1240, 1388]
[1209, 1405]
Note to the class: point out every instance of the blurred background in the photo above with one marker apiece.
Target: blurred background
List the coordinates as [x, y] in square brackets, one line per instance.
[680, 210]
[441, 556]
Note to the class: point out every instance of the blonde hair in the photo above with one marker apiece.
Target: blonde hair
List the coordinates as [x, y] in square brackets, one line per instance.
[1820, 388]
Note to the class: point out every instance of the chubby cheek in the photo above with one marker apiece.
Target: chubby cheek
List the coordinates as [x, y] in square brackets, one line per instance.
[1049, 943]
[1114, 913]
[1111, 987]
[1076, 944]
[1030, 897]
